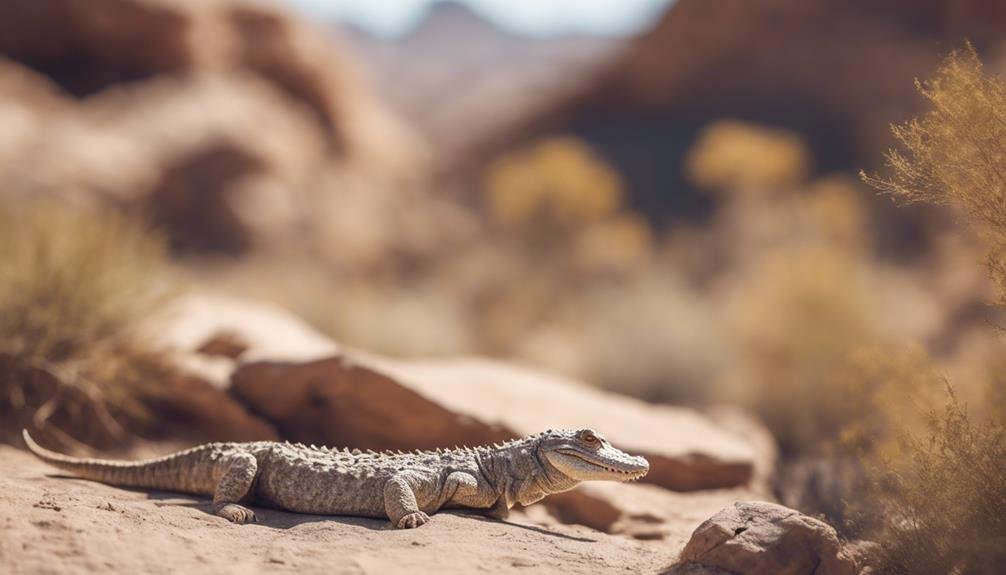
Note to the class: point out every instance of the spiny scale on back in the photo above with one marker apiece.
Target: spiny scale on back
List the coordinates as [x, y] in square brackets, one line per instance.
[402, 486]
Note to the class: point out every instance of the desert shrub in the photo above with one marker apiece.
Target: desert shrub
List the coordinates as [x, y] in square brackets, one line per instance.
[737, 156]
[939, 499]
[834, 208]
[944, 498]
[955, 154]
[623, 242]
[559, 181]
[73, 286]
[796, 316]
[863, 406]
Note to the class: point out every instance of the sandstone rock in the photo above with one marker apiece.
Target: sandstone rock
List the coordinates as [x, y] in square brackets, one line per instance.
[195, 321]
[686, 450]
[645, 512]
[164, 105]
[379, 403]
[203, 412]
[316, 392]
[810, 67]
[756, 537]
[181, 149]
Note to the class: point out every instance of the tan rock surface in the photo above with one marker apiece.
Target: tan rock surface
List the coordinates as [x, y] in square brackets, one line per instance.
[163, 106]
[315, 392]
[686, 450]
[757, 538]
[52, 524]
[641, 511]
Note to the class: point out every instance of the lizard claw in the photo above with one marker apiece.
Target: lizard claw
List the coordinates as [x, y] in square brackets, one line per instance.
[237, 513]
[412, 520]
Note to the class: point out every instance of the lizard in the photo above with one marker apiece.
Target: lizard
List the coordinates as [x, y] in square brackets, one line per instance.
[402, 487]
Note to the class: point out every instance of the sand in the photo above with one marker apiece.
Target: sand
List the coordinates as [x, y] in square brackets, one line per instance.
[53, 524]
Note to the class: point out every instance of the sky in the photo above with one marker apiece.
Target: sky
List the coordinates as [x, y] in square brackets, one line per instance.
[530, 17]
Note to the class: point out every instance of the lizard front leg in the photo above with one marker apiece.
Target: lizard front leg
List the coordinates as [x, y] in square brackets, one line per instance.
[526, 493]
[501, 507]
[237, 474]
[400, 504]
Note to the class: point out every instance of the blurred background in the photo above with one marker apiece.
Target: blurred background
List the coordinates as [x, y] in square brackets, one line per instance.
[658, 197]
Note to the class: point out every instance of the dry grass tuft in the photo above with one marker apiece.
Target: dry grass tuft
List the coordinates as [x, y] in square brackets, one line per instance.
[73, 285]
[955, 154]
[944, 500]
[939, 503]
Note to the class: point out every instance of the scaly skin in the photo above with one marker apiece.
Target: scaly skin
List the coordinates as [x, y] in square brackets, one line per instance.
[403, 487]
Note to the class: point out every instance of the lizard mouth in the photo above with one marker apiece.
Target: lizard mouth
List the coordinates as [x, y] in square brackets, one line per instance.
[629, 474]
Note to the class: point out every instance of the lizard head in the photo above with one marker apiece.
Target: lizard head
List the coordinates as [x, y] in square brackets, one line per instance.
[583, 455]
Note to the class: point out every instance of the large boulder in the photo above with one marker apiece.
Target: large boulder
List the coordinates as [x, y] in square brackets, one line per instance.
[374, 402]
[318, 392]
[686, 450]
[755, 538]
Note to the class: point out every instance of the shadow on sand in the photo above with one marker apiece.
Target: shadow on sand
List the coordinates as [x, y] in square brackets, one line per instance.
[278, 519]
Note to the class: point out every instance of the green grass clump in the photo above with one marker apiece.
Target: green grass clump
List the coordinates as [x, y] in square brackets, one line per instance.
[74, 284]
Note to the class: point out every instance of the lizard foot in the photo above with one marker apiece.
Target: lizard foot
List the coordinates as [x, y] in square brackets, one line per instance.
[236, 513]
[412, 520]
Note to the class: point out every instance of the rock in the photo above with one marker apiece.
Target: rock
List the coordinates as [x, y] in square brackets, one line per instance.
[338, 400]
[686, 450]
[162, 105]
[198, 321]
[809, 67]
[641, 511]
[374, 402]
[317, 392]
[764, 538]
[202, 412]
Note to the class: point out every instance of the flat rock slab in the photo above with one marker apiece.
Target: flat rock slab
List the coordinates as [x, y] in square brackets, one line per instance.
[56, 525]
[315, 391]
[368, 401]
[686, 450]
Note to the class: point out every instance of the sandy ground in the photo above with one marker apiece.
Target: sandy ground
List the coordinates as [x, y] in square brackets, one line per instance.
[53, 524]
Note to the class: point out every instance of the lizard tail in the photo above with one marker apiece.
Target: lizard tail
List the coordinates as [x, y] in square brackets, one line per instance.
[171, 472]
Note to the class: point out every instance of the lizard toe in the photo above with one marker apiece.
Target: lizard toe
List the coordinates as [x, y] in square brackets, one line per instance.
[412, 520]
[237, 513]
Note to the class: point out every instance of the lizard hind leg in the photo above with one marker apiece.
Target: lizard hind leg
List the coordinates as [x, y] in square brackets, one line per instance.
[237, 475]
